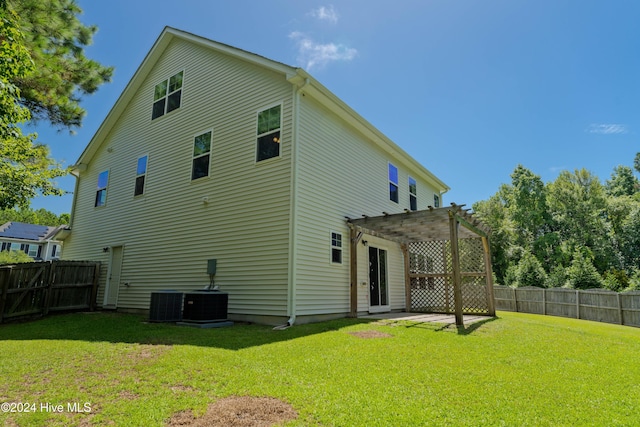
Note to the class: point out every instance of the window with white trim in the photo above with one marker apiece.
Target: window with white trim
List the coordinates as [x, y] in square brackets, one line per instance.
[101, 191]
[336, 248]
[167, 95]
[141, 174]
[393, 183]
[201, 155]
[413, 194]
[436, 201]
[268, 139]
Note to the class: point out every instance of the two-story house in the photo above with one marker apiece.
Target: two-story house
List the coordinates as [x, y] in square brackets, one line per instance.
[215, 153]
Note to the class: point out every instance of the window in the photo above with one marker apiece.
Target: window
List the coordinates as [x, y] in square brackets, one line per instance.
[167, 95]
[413, 195]
[5, 246]
[268, 133]
[436, 201]
[54, 250]
[336, 248]
[32, 250]
[201, 155]
[141, 173]
[101, 193]
[393, 183]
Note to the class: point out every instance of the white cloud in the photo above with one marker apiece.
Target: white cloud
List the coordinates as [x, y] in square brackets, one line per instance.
[325, 14]
[313, 54]
[606, 128]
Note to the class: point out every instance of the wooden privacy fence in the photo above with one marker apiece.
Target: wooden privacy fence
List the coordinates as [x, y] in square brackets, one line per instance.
[33, 289]
[600, 305]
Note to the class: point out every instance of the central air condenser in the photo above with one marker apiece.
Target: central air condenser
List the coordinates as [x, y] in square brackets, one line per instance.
[205, 306]
[166, 306]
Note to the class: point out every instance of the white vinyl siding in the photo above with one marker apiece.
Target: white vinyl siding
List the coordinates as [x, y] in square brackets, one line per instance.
[341, 174]
[168, 238]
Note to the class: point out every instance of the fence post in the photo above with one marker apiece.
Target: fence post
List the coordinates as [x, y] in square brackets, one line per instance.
[49, 278]
[5, 276]
[544, 301]
[94, 288]
[621, 320]
[577, 304]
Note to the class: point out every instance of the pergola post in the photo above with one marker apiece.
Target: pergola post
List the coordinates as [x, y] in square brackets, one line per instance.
[489, 272]
[407, 278]
[354, 239]
[455, 266]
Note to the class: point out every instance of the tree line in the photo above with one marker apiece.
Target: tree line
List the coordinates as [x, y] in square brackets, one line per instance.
[574, 232]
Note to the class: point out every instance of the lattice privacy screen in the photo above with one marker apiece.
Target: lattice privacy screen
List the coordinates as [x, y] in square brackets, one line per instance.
[431, 279]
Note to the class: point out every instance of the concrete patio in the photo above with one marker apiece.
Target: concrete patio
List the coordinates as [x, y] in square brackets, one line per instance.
[447, 319]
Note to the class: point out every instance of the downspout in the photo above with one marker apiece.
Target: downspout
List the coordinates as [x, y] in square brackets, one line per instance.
[293, 211]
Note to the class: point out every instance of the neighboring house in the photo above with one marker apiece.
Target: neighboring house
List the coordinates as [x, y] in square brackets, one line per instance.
[212, 152]
[37, 241]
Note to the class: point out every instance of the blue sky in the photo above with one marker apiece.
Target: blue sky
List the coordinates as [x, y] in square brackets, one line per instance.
[470, 88]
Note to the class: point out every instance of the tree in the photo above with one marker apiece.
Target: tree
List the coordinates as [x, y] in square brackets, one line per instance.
[14, 257]
[26, 168]
[582, 274]
[529, 272]
[622, 182]
[55, 39]
[28, 215]
[636, 163]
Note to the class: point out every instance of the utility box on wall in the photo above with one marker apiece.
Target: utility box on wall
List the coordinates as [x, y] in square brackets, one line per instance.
[211, 266]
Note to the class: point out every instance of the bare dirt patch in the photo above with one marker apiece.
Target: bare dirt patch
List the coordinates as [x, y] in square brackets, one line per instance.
[370, 334]
[238, 411]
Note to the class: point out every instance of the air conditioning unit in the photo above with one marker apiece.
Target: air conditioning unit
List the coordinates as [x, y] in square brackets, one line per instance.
[205, 306]
[166, 306]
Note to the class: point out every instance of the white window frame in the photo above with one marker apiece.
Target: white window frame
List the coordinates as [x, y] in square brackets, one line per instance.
[208, 153]
[436, 200]
[138, 175]
[396, 184]
[166, 96]
[414, 194]
[263, 134]
[335, 247]
[99, 189]
[32, 249]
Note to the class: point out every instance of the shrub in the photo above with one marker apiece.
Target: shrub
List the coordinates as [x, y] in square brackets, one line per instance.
[14, 257]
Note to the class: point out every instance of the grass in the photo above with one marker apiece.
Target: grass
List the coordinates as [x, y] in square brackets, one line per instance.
[516, 370]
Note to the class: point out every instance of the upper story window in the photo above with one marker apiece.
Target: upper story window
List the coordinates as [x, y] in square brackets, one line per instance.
[101, 192]
[413, 195]
[167, 95]
[141, 173]
[336, 248]
[393, 183]
[436, 201]
[269, 125]
[201, 155]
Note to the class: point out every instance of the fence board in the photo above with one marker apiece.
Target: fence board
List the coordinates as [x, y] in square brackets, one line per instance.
[32, 289]
[600, 305]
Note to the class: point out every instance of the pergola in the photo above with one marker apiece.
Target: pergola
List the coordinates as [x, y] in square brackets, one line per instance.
[441, 259]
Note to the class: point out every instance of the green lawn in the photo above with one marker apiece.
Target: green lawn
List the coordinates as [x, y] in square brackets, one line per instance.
[516, 370]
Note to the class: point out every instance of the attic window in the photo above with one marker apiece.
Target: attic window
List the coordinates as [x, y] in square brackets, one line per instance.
[269, 124]
[167, 96]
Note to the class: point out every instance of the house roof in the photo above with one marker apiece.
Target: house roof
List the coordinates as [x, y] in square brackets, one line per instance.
[24, 231]
[296, 76]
